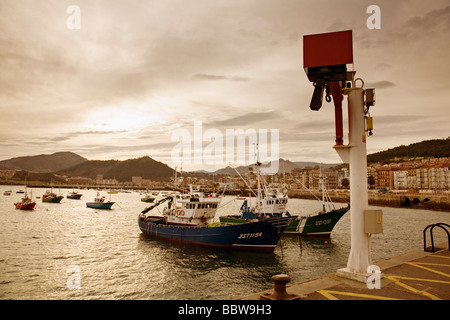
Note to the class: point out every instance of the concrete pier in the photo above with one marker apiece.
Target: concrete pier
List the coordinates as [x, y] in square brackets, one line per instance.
[415, 275]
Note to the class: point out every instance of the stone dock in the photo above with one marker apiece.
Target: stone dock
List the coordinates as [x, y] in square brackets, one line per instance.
[415, 275]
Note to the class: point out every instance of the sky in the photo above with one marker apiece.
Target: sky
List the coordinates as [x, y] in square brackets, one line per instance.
[137, 73]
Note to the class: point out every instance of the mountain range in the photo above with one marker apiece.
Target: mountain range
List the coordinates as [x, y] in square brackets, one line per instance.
[71, 164]
[44, 162]
[284, 166]
[122, 171]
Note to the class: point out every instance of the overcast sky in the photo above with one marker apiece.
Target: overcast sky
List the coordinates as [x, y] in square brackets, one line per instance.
[136, 71]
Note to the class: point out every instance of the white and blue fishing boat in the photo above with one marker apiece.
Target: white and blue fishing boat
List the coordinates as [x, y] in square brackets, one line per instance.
[272, 203]
[100, 203]
[191, 220]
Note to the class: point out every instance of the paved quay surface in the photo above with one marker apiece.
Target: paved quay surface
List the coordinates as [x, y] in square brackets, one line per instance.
[416, 275]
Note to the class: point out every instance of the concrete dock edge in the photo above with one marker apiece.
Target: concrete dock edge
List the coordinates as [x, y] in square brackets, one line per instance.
[414, 275]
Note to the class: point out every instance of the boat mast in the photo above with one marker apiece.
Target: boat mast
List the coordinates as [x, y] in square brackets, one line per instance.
[322, 185]
[258, 177]
[175, 184]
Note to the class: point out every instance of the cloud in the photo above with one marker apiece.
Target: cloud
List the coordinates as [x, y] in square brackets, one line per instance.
[437, 20]
[383, 84]
[247, 119]
[211, 77]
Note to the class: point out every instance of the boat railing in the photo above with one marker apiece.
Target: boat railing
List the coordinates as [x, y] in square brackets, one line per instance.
[280, 222]
[441, 225]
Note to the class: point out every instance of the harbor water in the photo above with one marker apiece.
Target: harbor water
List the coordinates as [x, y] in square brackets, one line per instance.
[68, 251]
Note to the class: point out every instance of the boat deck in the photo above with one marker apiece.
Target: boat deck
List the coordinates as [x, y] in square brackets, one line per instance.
[416, 275]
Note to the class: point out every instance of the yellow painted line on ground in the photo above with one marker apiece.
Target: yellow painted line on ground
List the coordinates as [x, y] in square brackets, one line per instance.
[422, 292]
[418, 265]
[419, 279]
[329, 294]
[421, 265]
[430, 264]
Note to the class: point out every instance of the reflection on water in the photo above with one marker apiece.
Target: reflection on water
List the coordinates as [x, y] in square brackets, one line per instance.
[116, 261]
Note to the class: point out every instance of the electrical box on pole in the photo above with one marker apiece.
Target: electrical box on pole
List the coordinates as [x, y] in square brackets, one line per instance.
[373, 221]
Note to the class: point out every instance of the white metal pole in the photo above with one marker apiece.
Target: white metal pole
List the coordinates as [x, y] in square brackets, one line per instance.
[359, 258]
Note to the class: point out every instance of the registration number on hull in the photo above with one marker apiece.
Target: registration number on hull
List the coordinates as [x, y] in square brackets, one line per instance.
[321, 222]
[250, 235]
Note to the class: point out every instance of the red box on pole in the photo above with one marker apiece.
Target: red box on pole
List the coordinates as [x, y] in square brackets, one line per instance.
[328, 49]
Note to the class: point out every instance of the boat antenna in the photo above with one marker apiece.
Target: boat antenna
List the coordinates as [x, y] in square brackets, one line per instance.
[232, 166]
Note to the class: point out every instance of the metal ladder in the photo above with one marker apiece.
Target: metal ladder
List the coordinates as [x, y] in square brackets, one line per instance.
[441, 225]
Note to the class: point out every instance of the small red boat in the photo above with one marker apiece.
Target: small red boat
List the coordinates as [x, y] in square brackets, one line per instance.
[26, 203]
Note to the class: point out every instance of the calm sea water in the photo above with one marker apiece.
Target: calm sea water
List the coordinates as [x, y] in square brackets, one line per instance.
[68, 251]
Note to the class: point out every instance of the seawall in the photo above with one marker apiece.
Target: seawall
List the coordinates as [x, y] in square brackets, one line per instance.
[429, 201]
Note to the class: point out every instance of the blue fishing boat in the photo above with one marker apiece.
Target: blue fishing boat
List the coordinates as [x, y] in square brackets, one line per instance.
[100, 203]
[191, 220]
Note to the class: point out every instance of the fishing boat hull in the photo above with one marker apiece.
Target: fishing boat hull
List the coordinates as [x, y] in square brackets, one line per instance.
[260, 236]
[102, 205]
[75, 196]
[320, 225]
[27, 206]
[56, 199]
[148, 200]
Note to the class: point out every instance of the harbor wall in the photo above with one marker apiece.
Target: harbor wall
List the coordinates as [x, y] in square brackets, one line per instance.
[433, 201]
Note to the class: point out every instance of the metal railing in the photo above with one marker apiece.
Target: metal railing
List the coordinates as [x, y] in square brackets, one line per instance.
[441, 225]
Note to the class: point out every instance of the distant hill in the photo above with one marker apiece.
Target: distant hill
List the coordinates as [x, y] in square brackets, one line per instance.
[284, 166]
[44, 162]
[429, 148]
[144, 167]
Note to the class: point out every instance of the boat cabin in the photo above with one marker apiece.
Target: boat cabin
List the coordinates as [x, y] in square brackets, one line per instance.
[197, 210]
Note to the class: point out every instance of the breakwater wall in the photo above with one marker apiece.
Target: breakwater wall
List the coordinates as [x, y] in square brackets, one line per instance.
[429, 201]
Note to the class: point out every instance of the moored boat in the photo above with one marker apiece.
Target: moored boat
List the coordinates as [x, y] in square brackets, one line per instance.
[255, 236]
[74, 195]
[320, 224]
[7, 192]
[273, 203]
[51, 197]
[148, 198]
[99, 203]
[26, 203]
[191, 220]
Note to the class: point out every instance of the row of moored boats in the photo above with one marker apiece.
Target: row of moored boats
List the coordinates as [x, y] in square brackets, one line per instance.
[191, 218]
[27, 202]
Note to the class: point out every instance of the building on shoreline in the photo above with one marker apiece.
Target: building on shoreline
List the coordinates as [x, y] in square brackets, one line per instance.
[424, 174]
